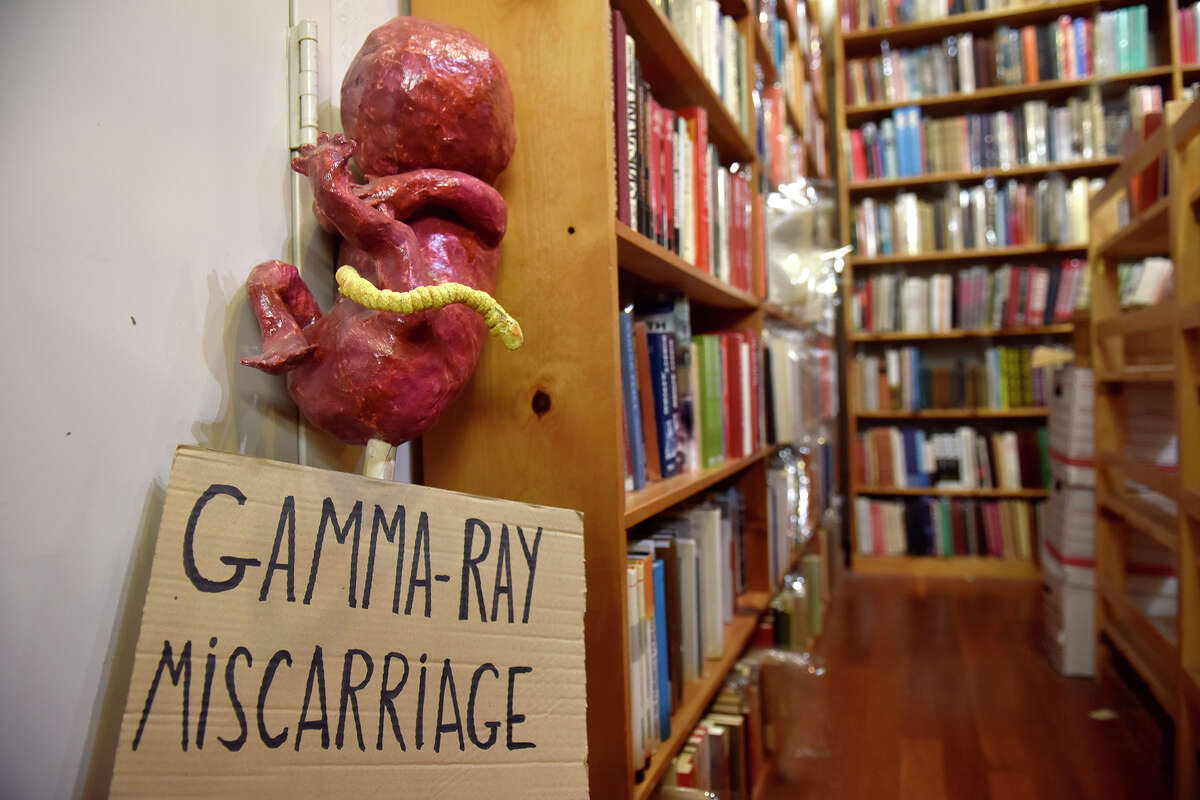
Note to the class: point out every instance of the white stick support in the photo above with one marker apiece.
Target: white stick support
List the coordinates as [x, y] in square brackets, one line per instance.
[378, 459]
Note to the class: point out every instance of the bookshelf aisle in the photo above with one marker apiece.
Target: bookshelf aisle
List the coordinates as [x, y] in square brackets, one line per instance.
[1148, 493]
[636, 253]
[970, 145]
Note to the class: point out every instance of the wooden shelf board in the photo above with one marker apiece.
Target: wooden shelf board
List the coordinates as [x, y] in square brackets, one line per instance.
[661, 495]
[967, 333]
[861, 41]
[937, 257]
[936, 492]
[1139, 373]
[956, 413]
[985, 99]
[1189, 501]
[1118, 182]
[1165, 482]
[954, 567]
[1147, 234]
[677, 80]
[1187, 126]
[698, 694]
[1142, 643]
[1138, 320]
[1191, 687]
[781, 314]
[1098, 165]
[1145, 518]
[641, 256]
[1189, 316]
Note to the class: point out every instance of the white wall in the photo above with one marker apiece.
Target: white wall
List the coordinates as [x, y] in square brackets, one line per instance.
[145, 172]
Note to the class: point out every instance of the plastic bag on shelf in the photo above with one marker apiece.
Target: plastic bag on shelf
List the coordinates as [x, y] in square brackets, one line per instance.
[797, 714]
[800, 230]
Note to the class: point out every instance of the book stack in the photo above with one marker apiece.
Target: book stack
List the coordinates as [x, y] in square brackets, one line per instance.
[1144, 283]
[713, 40]
[1068, 48]
[984, 217]
[689, 401]
[671, 185]
[892, 457]
[1189, 34]
[973, 298]
[901, 379]
[725, 755]
[941, 526]
[683, 575]
[801, 383]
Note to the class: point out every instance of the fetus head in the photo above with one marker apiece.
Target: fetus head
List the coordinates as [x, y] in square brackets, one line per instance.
[421, 94]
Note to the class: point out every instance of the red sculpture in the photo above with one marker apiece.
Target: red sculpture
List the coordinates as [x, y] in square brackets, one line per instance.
[429, 116]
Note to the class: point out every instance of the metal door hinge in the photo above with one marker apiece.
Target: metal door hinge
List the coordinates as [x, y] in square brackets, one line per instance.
[302, 84]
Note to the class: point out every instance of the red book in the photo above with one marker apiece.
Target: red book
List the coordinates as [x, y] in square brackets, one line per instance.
[1014, 297]
[621, 117]
[697, 122]
[858, 157]
[668, 122]
[1087, 49]
[1062, 43]
[1187, 28]
[641, 350]
[654, 165]
[1030, 53]
[877, 529]
[755, 389]
[1147, 189]
[760, 246]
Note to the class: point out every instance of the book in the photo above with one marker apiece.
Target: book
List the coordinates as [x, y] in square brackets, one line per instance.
[631, 403]
[646, 393]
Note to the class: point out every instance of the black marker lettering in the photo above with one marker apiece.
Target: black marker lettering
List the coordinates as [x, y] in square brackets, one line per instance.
[181, 669]
[286, 515]
[471, 565]
[420, 547]
[503, 568]
[189, 551]
[210, 666]
[349, 694]
[447, 727]
[421, 704]
[387, 698]
[390, 532]
[515, 719]
[236, 744]
[329, 515]
[268, 676]
[531, 560]
[491, 726]
[315, 669]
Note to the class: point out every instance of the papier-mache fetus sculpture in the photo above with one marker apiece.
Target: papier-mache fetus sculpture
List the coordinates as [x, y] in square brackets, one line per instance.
[428, 115]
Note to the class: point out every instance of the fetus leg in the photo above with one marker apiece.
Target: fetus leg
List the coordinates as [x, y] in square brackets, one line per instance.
[284, 307]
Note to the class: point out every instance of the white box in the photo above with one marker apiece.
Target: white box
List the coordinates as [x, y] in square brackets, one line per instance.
[1072, 419]
[1068, 615]
[1070, 515]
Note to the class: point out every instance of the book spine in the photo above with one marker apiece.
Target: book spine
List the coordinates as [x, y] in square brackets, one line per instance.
[633, 412]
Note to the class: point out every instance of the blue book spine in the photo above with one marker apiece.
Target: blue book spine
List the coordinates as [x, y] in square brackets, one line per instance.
[660, 631]
[1080, 49]
[664, 414]
[900, 121]
[916, 159]
[921, 475]
[910, 457]
[633, 406]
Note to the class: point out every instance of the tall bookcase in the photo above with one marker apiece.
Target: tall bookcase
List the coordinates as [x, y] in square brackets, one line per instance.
[543, 424]
[1170, 74]
[1158, 344]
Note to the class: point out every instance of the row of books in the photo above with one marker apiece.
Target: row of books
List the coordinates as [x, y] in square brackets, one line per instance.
[689, 401]
[780, 148]
[725, 754]
[1189, 34]
[1067, 49]
[902, 380]
[671, 186]
[1033, 133]
[892, 457]
[972, 298]
[713, 40]
[801, 383]
[985, 216]
[1146, 282]
[928, 526]
[683, 575]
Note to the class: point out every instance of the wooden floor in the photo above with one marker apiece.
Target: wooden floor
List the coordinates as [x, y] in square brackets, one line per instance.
[936, 689]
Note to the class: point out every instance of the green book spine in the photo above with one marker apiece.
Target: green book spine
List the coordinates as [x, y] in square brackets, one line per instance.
[712, 412]
[944, 528]
[1005, 378]
[1026, 376]
[1044, 455]
[1122, 40]
[1141, 32]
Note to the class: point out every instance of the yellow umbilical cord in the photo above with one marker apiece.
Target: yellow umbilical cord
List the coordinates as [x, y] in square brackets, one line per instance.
[430, 298]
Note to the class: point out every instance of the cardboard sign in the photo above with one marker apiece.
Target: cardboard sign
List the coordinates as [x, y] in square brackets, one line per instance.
[319, 634]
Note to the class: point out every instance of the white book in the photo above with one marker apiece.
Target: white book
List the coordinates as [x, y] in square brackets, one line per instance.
[966, 63]
[636, 703]
[746, 400]
[862, 525]
[689, 608]
[728, 592]
[706, 530]
[968, 467]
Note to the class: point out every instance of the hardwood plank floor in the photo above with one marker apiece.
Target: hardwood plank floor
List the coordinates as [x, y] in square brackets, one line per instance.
[937, 689]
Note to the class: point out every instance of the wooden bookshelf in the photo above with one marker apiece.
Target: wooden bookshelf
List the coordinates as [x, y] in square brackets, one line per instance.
[939, 257]
[964, 333]
[1167, 73]
[1127, 347]
[544, 424]
[933, 491]
[968, 567]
